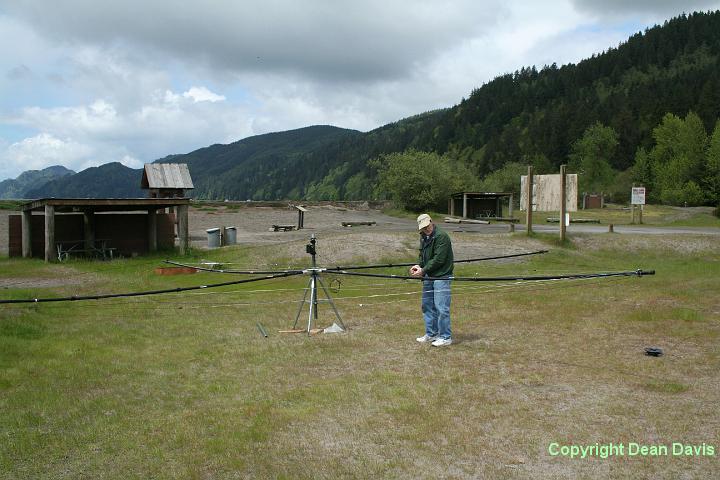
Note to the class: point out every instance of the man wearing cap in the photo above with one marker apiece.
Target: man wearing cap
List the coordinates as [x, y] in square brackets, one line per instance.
[436, 260]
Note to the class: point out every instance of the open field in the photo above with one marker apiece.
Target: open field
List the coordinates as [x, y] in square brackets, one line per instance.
[184, 385]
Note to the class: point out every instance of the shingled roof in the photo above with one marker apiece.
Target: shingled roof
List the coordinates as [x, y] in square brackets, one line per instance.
[166, 175]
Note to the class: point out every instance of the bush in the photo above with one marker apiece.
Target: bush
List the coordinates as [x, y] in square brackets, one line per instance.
[419, 181]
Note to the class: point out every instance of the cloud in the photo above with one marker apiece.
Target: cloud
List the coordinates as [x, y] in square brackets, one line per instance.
[202, 94]
[655, 9]
[134, 81]
[369, 40]
[40, 151]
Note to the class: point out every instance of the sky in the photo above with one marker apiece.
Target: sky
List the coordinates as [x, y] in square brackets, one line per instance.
[88, 82]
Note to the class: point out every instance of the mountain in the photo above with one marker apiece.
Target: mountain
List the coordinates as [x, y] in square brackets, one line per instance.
[530, 116]
[30, 180]
[112, 180]
[270, 166]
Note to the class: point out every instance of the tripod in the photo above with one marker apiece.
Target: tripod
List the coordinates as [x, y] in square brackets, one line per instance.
[315, 280]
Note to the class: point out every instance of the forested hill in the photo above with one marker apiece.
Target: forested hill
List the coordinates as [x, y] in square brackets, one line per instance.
[532, 116]
[270, 166]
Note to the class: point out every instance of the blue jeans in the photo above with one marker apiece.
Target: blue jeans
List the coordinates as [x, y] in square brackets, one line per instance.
[436, 308]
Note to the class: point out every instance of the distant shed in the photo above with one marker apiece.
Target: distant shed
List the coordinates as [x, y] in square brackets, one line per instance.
[127, 225]
[166, 180]
[475, 205]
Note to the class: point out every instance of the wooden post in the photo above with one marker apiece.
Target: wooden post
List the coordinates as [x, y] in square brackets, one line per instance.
[464, 205]
[89, 229]
[528, 195]
[182, 222]
[152, 230]
[50, 250]
[510, 207]
[563, 200]
[27, 233]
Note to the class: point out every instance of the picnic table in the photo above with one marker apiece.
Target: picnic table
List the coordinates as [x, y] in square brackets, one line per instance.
[99, 249]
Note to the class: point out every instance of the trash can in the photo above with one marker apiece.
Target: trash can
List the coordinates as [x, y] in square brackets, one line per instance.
[230, 235]
[213, 235]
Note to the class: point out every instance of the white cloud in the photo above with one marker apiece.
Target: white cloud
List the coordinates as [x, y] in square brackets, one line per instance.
[43, 150]
[134, 81]
[202, 94]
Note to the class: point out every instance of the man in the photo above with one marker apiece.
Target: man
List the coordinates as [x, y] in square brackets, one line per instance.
[436, 260]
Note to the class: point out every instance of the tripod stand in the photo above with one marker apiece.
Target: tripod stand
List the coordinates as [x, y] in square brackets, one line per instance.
[315, 280]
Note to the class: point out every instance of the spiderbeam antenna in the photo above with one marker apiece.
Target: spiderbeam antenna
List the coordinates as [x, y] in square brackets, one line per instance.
[148, 292]
[312, 288]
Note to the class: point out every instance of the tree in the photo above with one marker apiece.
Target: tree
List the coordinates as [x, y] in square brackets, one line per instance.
[678, 159]
[711, 181]
[418, 180]
[507, 179]
[591, 157]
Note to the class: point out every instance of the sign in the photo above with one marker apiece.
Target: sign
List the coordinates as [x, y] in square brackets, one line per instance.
[638, 196]
[546, 193]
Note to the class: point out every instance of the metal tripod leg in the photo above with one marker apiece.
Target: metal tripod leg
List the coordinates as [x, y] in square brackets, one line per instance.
[313, 303]
[332, 304]
[302, 304]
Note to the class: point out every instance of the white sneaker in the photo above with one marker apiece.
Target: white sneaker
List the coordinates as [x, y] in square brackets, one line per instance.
[426, 338]
[442, 342]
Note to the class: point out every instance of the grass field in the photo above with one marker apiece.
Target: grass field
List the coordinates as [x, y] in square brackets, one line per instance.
[653, 215]
[184, 385]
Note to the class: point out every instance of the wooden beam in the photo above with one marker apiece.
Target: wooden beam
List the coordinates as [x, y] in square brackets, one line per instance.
[50, 251]
[89, 229]
[528, 195]
[183, 234]
[27, 233]
[152, 230]
[563, 202]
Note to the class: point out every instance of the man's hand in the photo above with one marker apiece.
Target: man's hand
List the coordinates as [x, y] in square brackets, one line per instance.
[416, 271]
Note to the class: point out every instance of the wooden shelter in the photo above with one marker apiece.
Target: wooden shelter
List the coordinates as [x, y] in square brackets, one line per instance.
[135, 224]
[476, 205]
[166, 180]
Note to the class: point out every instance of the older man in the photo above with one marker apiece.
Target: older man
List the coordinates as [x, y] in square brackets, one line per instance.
[436, 260]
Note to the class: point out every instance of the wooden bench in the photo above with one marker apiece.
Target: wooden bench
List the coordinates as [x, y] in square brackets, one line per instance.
[282, 228]
[357, 224]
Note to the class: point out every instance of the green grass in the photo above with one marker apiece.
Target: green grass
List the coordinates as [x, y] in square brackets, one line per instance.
[184, 386]
[653, 215]
[10, 204]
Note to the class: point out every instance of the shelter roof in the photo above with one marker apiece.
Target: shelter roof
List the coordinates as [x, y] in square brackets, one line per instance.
[104, 204]
[166, 175]
[481, 194]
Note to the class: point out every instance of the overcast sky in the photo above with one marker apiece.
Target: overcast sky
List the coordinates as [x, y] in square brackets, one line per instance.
[87, 82]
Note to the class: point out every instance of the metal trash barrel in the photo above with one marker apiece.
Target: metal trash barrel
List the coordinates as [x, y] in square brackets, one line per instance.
[230, 235]
[213, 235]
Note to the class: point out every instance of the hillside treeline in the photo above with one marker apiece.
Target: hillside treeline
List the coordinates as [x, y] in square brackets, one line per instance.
[644, 112]
[635, 94]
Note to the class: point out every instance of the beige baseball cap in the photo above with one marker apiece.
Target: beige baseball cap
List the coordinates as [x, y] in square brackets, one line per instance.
[423, 221]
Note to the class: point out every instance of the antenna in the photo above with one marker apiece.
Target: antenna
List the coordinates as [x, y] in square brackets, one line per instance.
[316, 280]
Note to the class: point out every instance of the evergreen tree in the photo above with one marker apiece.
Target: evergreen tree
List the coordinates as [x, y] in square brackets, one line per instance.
[591, 157]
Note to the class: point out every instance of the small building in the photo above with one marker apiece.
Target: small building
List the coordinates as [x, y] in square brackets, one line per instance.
[97, 225]
[593, 200]
[166, 180]
[477, 205]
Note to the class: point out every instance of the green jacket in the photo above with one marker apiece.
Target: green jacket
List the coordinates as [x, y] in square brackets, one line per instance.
[436, 257]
